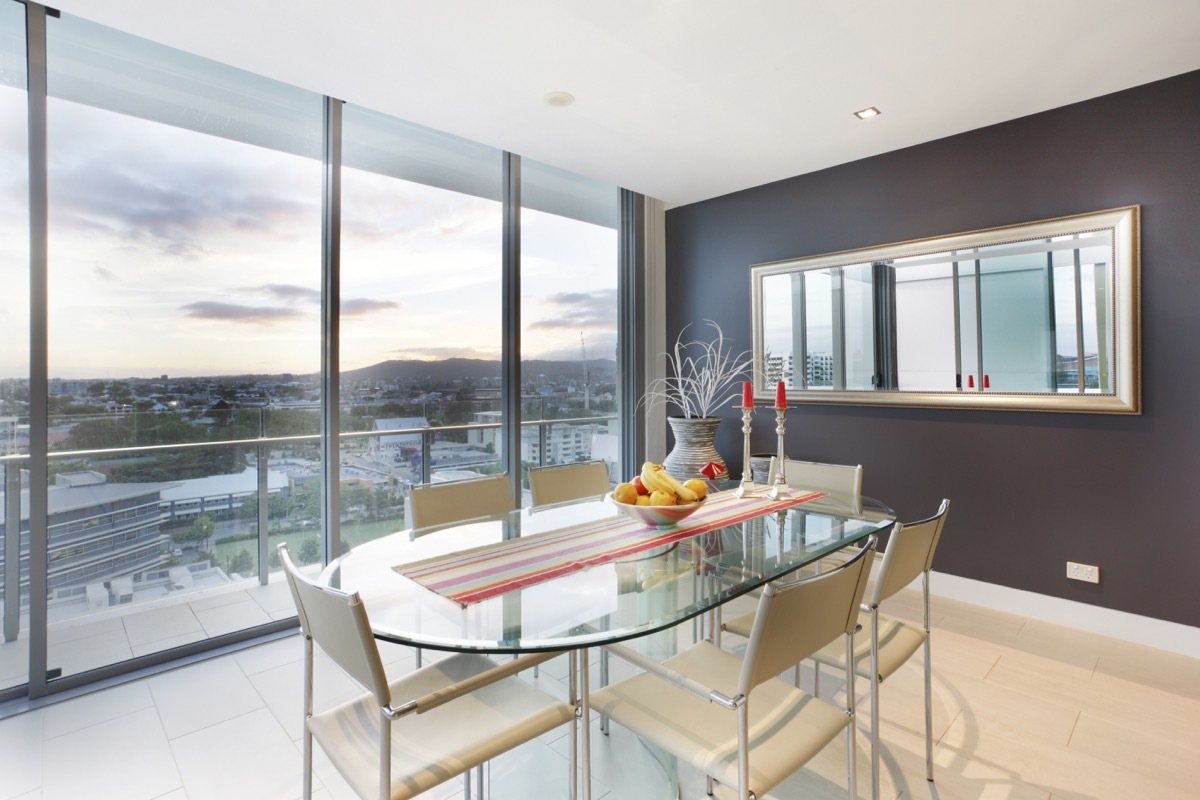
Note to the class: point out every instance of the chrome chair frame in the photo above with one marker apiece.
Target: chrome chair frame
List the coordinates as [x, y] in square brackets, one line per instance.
[897, 569]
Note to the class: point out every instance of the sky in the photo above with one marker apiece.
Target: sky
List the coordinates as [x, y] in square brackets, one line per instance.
[179, 253]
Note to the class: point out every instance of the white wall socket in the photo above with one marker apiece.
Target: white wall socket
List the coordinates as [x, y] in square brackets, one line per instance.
[1083, 572]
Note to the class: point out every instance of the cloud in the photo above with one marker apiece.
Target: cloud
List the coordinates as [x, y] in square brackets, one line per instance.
[290, 292]
[232, 312]
[104, 273]
[580, 310]
[361, 306]
[166, 188]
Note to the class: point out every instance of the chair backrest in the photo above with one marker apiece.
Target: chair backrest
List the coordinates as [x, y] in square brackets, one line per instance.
[839, 478]
[337, 622]
[909, 552]
[562, 482]
[795, 620]
[443, 503]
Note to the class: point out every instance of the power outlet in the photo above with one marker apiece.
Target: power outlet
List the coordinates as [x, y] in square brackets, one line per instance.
[1083, 572]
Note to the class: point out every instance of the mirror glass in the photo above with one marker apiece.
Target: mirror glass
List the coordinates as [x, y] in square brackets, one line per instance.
[1040, 316]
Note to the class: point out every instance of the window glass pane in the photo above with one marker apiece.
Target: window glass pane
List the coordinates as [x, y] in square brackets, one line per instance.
[1018, 346]
[818, 300]
[14, 349]
[1097, 287]
[1066, 333]
[185, 219]
[569, 270]
[859, 313]
[968, 321]
[925, 326]
[779, 324]
[421, 310]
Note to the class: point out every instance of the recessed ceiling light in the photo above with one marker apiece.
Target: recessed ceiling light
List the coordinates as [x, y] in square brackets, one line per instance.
[558, 99]
[867, 113]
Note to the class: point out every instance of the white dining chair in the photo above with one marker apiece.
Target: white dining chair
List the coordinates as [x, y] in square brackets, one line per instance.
[559, 483]
[730, 717]
[842, 479]
[431, 504]
[890, 642]
[403, 738]
[443, 503]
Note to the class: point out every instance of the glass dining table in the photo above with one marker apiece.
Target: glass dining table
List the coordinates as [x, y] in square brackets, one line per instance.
[584, 574]
[547, 600]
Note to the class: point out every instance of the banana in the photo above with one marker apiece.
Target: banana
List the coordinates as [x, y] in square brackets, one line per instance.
[684, 493]
[651, 480]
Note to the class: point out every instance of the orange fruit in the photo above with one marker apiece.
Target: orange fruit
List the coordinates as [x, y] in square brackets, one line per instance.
[625, 493]
[661, 498]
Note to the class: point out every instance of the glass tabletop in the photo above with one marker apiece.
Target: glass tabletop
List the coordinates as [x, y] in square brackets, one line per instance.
[630, 596]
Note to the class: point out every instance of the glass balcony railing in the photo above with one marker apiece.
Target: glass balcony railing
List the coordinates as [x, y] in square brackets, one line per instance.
[163, 528]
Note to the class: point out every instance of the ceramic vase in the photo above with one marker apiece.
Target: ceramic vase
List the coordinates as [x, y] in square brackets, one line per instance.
[693, 446]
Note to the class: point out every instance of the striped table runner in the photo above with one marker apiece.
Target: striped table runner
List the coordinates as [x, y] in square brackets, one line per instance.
[469, 576]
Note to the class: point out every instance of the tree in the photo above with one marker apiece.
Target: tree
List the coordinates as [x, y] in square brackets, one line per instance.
[202, 528]
[242, 563]
[310, 551]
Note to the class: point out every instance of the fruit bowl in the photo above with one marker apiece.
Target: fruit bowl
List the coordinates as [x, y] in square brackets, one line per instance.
[658, 516]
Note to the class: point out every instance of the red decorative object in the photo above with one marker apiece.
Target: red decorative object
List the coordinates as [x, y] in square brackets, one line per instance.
[712, 470]
[781, 396]
[747, 395]
[986, 383]
[970, 381]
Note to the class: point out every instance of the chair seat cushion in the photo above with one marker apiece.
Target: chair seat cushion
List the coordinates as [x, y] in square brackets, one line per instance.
[446, 741]
[787, 726]
[897, 642]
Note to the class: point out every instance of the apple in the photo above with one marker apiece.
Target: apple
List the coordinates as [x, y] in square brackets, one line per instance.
[637, 484]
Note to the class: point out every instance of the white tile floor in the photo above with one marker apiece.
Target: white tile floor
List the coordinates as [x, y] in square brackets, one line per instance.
[77, 643]
[1022, 709]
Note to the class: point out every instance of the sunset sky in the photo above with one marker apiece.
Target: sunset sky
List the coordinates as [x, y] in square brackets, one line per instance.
[174, 252]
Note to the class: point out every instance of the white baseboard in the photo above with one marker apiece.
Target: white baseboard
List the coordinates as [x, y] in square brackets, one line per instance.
[1170, 636]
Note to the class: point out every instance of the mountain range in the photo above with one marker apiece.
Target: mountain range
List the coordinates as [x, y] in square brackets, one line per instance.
[476, 368]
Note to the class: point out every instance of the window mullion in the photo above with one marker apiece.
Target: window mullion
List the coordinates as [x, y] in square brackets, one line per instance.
[331, 248]
[510, 323]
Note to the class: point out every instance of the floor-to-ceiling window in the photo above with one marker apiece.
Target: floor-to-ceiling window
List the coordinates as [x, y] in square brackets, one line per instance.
[420, 311]
[184, 286]
[14, 345]
[184, 394]
[569, 309]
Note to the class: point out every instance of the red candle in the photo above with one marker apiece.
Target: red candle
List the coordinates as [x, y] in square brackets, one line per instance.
[781, 396]
[747, 395]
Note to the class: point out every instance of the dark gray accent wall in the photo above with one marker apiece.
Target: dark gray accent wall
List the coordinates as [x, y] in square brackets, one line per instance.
[1029, 490]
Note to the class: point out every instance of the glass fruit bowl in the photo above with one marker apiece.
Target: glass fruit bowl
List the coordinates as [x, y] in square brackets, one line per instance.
[658, 516]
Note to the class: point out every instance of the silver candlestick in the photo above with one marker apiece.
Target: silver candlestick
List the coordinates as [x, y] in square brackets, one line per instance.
[780, 488]
[747, 484]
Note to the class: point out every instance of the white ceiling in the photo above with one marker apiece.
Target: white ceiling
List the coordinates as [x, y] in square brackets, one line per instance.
[684, 100]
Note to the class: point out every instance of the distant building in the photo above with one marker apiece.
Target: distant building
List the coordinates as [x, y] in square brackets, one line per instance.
[559, 443]
[99, 533]
[190, 498]
[396, 446]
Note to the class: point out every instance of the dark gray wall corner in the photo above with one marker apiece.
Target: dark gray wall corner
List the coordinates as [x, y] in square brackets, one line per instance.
[1029, 490]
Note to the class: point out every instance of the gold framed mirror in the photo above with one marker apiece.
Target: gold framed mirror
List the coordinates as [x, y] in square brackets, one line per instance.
[1042, 316]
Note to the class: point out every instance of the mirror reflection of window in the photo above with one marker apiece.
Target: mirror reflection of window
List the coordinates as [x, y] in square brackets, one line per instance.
[1038, 311]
